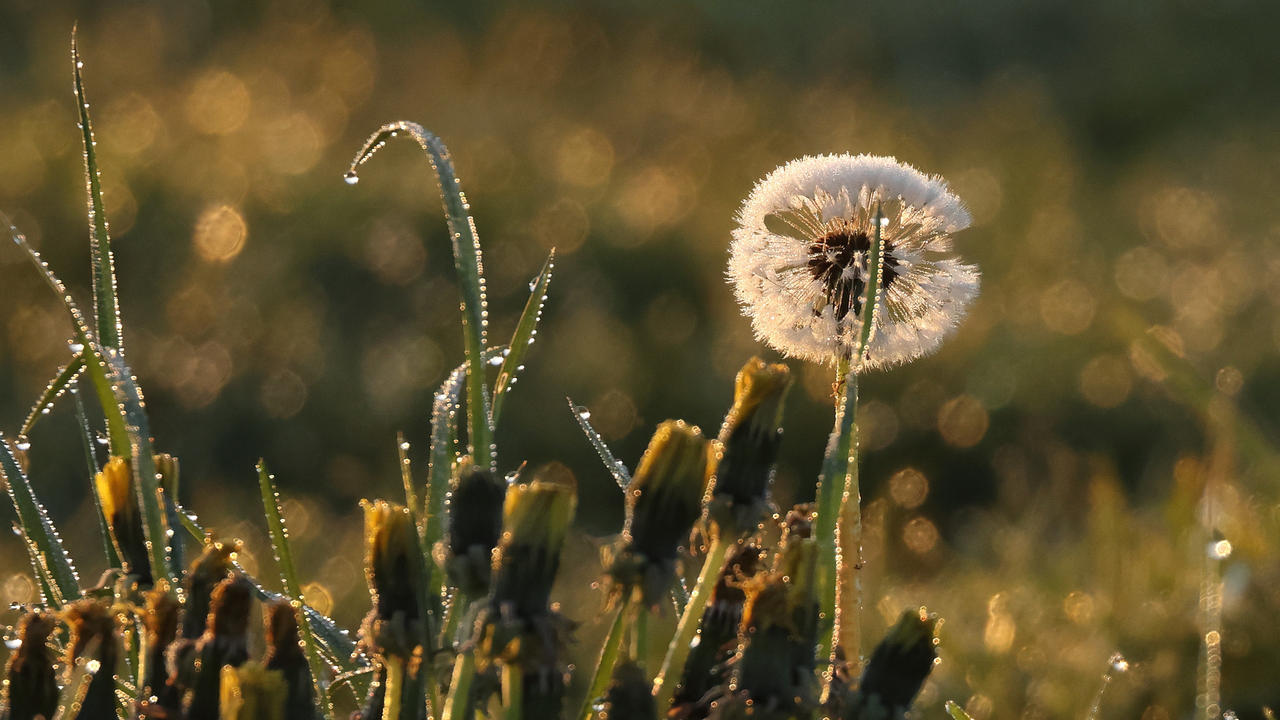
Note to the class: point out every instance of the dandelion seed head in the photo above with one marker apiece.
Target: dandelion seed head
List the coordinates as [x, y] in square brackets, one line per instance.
[800, 259]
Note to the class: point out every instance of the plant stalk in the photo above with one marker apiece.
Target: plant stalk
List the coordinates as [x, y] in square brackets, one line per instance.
[512, 691]
[464, 670]
[664, 686]
[394, 685]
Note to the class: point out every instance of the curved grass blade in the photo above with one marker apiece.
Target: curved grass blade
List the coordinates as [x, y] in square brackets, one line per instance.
[106, 306]
[95, 365]
[289, 579]
[955, 711]
[615, 466]
[467, 263]
[48, 590]
[37, 527]
[522, 338]
[60, 382]
[348, 679]
[91, 465]
[155, 520]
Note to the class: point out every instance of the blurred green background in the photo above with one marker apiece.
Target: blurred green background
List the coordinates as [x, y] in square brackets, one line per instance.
[1049, 482]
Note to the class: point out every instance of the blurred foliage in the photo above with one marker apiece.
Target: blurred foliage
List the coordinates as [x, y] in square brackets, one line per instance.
[1040, 483]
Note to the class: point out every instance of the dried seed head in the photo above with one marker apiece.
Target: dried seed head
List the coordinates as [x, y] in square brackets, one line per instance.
[31, 683]
[749, 442]
[663, 501]
[252, 692]
[119, 503]
[161, 622]
[800, 261]
[474, 517]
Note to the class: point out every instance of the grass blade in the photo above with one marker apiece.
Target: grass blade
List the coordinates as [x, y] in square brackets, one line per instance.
[95, 365]
[444, 415]
[955, 711]
[106, 306]
[53, 391]
[289, 579]
[615, 466]
[48, 590]
[469, 267]
[77, 687]
[37, 527]
[155, 521]
[91, 465]
[522, 338]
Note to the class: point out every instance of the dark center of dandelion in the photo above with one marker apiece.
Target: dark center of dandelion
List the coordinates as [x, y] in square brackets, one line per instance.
[838, 260]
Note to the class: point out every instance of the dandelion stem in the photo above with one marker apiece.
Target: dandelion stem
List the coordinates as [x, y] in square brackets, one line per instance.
[640, 637]
[608, 658]
[678, 650]
[394, 685]
[839, 525]
[464, 669]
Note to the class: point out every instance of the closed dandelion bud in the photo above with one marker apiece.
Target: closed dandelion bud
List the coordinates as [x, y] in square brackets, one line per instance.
[94, 641]
[225, 642]
[212, 567]
[535, 521]
[474, 516]
[896, 671]
[119, 503]
[252, 692]
[161, 621]
[285, 655]
[718, 634]
[664, 500]
[628, 696]
[393, 565]
[518, 625]
[749, 442]
[31, 683]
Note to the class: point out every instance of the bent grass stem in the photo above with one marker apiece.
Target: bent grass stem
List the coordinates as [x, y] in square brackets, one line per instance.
[678, 651]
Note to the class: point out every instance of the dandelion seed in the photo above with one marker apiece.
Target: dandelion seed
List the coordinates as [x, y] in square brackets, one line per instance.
[799, 259]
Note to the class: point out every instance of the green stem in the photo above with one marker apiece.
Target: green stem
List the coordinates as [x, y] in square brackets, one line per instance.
[393, 688]
[604, 667]
[835, 464]
[848, 618]
[640, 637]
[512, 691]
[464, 669]
[664, 686]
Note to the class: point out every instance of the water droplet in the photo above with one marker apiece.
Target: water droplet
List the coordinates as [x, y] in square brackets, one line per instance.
[496, 360]
[350, 177]
[404, 445]
[1220, 550]
[13, 643]
[584, 413]
[23, 444]
[76, 347]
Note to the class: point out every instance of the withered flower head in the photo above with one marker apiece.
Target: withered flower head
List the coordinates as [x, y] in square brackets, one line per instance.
[161, 622]
[663, 501]
[119, 501]
[252, 692]
[213, 565]
[393, 563]
[474, 517]
[718, 633]
[31, 683]
[225, 642]
[749, 442]
[94, 639]
[285, 655]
